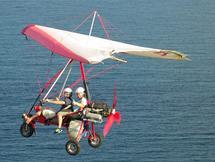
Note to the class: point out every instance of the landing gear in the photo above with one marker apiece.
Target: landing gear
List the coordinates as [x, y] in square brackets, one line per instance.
[96, 141]
[72, 147]
[26, 130]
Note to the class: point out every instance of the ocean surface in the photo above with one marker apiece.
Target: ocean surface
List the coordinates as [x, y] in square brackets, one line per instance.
[167, 107]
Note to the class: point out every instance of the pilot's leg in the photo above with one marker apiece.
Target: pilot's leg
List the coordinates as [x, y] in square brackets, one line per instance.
[60, 120]
[60, 116]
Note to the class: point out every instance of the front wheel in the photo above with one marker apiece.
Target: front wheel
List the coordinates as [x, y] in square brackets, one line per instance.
[72, 147]
[26, 130]
[96, 141]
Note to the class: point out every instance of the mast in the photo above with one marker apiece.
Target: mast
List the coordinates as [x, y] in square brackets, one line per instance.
[92, 24]
[84, 78]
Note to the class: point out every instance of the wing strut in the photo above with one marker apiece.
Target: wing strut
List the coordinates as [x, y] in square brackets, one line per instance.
[68, 63]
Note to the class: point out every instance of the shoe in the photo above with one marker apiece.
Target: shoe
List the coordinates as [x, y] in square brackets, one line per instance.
[58, 131]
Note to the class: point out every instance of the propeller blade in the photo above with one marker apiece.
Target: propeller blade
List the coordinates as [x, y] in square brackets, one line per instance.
[114, 116]
[110, 120]
[108, 124]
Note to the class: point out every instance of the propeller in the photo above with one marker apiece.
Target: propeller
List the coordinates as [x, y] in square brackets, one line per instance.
[114, 116]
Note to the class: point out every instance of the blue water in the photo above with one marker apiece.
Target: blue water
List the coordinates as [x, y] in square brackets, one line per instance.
[167, 107]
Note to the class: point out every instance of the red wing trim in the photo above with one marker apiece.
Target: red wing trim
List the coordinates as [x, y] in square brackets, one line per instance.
[50, 42]
[28, 26]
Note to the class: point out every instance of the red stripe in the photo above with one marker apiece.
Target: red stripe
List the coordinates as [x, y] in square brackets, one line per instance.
[50, 42]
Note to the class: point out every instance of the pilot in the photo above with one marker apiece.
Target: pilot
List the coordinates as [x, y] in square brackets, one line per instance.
[66, 107]
[80, 92]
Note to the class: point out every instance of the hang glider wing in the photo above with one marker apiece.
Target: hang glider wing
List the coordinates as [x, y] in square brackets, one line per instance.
[90, 49]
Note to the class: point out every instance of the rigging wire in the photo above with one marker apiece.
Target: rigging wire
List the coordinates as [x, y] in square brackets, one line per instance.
[49, 66]
[85, 19]
[39, 83]
[96, 75]
[103, 26]
[89, 16]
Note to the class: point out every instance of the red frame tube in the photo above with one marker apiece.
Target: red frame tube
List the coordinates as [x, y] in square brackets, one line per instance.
[87, 93]
[84, 78]
[82, 71]
[93, 130]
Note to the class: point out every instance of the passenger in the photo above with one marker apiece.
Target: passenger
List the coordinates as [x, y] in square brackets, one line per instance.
[80, 92]
[81, 95]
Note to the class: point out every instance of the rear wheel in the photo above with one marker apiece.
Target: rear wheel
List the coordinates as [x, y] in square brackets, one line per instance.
[26, 130]
[72, 147]
[96, 141]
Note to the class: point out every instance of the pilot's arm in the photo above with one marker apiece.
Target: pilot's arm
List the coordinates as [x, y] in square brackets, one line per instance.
[57, 102]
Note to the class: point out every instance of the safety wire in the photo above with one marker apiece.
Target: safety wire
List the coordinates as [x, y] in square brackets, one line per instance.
[65, 81]
[78, 26]
[50, 63]
[39, 82]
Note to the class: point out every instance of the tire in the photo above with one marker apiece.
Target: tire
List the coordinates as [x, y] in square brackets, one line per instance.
[26, 130]
[95, 143]
[72, 147]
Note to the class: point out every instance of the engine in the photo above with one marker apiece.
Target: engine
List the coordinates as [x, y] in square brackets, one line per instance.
[100, 107]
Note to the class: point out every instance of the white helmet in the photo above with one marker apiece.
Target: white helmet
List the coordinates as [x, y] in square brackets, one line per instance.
[80, 90]
[68, 90]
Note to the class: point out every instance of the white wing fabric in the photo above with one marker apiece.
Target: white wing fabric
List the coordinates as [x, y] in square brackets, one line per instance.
[90, 49]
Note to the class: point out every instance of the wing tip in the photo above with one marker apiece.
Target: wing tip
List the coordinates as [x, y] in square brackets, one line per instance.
[181, 56]
[26, 28]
